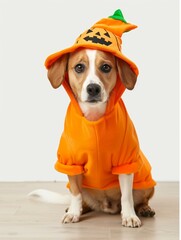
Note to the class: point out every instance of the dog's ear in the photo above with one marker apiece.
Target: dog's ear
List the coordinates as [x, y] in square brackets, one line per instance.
[56, 72]
[126, 74]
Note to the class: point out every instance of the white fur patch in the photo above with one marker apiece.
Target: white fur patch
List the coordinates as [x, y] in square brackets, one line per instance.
[93, 112]
[74, 211]
[92, 78]
[129, 218]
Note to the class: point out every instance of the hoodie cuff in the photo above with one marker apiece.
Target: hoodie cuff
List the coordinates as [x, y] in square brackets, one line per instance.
[70, 170]
[126, 169]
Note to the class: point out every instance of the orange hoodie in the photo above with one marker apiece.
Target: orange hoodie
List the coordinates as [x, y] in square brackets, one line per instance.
[100, 150]
[103, 149]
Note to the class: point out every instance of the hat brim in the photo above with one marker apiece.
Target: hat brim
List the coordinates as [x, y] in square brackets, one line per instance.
[55, 56]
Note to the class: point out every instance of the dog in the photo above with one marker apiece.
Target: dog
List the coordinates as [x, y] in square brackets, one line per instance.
[92, 77]
[99, 149]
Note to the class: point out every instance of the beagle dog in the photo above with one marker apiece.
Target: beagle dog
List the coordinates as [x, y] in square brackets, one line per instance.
[93, 78]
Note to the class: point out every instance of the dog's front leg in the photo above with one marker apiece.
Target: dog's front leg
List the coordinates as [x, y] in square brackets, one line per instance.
[128, 215]
[75, 209]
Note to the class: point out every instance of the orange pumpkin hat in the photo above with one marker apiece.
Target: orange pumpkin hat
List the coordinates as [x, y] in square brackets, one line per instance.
[104, 35]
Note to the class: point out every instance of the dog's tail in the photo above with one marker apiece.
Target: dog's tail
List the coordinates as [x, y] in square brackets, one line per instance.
[47, 196]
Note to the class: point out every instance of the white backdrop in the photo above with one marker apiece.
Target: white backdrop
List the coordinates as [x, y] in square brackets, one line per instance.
[32, 113]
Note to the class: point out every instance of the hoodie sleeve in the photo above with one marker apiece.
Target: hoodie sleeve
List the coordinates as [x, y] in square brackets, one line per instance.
[65, 159]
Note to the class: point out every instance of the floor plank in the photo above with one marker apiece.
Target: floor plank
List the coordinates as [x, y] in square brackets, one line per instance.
[22, 219]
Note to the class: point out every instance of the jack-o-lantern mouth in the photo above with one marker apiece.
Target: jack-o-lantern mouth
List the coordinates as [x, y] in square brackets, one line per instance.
[97, 40]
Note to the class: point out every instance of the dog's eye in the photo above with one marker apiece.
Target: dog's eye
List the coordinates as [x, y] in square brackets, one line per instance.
[79, 68]
[105, 68]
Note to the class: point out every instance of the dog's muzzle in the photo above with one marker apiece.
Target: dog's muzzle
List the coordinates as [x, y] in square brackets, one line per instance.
[94, 92]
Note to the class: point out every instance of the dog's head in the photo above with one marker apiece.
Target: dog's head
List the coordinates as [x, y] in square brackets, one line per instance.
[92, 74]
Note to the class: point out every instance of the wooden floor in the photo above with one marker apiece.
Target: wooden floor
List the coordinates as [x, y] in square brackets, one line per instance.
[22, 219]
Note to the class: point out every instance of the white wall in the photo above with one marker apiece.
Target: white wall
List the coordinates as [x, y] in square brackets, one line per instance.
[32, 113]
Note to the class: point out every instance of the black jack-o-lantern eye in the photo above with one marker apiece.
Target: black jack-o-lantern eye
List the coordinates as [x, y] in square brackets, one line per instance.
[101, 37]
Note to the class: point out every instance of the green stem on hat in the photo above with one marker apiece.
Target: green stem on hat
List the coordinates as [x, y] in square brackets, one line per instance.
[118, 16]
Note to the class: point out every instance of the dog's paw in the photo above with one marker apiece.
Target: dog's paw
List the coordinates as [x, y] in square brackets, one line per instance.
[70, 218]
[74, 212]
[145, 211]
[131, 221]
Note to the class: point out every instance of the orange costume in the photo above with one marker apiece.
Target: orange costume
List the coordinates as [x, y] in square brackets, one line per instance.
[102, 149]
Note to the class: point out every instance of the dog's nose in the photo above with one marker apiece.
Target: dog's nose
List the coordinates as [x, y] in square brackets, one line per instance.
[93, 89]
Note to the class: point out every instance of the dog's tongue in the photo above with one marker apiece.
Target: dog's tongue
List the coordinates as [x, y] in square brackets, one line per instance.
[115, 24]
